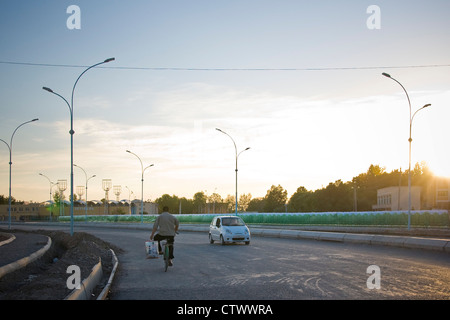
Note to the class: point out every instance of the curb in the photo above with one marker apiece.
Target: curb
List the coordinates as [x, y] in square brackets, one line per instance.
[10, 236]
[442, 245]
[434, 244]
[25, 261]
[88, 285]
[105, 291]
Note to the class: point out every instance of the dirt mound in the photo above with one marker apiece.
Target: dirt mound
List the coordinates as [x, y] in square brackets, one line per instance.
[46, 278]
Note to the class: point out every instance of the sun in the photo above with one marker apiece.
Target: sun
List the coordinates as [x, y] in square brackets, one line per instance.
[440, 168]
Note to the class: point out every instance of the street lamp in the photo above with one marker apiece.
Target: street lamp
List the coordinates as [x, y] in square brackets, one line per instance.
[142, 184]
[87, 179]
[52, 184]
[10, 164]
[72, 132]
[62, 186]
[129, 200]
[411, 117]
[237, 156]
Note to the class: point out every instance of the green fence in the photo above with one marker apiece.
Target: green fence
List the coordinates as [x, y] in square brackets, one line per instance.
[422, 219]
[432, 218]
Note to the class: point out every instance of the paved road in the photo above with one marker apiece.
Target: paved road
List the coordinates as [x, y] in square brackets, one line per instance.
[275, 269]
[23, 245]
[272, 269]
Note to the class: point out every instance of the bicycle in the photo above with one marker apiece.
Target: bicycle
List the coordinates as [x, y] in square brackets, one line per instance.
[166, 250]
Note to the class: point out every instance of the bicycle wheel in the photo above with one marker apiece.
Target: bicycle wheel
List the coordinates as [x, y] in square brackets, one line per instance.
[166, 257]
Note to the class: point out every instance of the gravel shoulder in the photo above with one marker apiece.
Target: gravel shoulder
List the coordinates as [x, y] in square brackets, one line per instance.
[46, 278]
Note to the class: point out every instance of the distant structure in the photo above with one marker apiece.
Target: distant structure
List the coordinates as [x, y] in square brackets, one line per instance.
[106, 185]
[62, 186]
[396, 199]
[117, 192]
[433, 195]
[80, 192]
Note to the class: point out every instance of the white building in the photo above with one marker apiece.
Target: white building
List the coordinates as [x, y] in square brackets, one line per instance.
[396, 198]
[149, 207]
[442, 194]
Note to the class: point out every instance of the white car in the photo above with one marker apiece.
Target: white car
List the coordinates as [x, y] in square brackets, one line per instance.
[228, 229]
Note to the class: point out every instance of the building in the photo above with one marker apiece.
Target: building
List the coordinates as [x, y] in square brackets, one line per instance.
[21, 212]
[51, 211]
[149, 207]
[441, 194]
[397, 198]
[435, 194]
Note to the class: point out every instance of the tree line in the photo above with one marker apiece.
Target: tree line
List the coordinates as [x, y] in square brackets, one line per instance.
[359, 194]
[5, 200]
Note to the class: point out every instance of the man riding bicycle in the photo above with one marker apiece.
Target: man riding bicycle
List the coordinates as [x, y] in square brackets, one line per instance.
[168, 227]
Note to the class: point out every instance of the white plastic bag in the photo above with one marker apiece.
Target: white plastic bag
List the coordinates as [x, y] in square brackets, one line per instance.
[151, 248]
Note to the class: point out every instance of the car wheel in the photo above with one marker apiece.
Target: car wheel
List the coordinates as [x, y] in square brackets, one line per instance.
[222, 241]
[211, 240]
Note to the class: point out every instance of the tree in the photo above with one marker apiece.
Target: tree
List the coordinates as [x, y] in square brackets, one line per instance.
[244, 201]
[230, 200]
[421, 175]
[199, 201]
[5, 200]
[375, 170]
[275, 199]
[256, 205]
[337, 196]
[215, 198]
[59, 197]
[302, 201]
[187, 205]
[170, 201]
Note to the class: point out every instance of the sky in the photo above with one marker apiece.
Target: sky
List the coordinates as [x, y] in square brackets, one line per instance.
[299, 82]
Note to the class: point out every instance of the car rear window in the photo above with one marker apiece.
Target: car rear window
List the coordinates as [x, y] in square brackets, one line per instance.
[232, 221]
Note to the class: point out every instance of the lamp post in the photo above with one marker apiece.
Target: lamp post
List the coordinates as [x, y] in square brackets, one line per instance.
[72, 132]
[10, 165]
[62, 186]
[129, 200]
[142, 184]
[87, 180]
[411, 118]
[237, 156]
[51, 187]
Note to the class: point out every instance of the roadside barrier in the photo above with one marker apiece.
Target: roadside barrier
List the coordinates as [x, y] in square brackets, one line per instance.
[428, 218]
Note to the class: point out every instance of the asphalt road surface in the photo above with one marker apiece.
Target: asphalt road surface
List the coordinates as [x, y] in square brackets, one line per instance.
[272, 269]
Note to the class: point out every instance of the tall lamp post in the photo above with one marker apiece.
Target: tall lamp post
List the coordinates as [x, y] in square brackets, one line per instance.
[411, 118]
[51, 187]
[129, 200]
[237, 156]
[72, 132]
[62, 186]
[87, 180]
[10, 165]
[142, 184]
